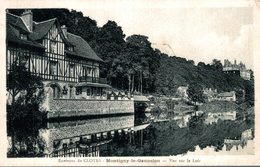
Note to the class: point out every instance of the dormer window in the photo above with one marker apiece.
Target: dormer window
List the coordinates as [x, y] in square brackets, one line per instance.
[70, 48]
[23, 36]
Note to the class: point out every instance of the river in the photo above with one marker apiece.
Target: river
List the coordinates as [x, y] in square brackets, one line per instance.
[120, 136]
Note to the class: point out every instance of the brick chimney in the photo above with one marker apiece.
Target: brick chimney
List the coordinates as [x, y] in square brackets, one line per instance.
[27, 17]
[64, 30]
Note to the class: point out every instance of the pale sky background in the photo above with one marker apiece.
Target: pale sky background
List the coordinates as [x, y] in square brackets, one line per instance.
[199, 34]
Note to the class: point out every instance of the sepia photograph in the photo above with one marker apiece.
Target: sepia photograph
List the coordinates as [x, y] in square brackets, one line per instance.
[129, 82]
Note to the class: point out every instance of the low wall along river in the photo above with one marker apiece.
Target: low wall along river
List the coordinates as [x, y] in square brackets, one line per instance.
[76, 107]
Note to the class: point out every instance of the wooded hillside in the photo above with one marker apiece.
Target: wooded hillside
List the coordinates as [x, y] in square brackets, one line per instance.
[132, 64]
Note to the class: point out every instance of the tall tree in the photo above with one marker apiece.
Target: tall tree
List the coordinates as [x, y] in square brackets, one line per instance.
[195, 92]
[201, 64]
[165, 79]
[109, 44]
[217, 64]
[24, 117]
[141, 56]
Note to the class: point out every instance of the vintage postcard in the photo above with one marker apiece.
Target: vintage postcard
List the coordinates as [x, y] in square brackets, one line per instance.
[129, 83]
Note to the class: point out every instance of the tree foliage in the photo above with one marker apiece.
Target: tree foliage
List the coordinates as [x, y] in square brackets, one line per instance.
[195, 92]
[24, 118]
[21, 81]
[132, 64]
[249, 92]
[217, 64]
[196, 124]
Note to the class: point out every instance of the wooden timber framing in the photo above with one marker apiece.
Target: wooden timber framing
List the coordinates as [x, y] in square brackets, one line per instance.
[52, 63]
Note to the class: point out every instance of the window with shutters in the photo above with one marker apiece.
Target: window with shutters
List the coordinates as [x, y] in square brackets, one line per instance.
[53, 47]
[53, 68]
[72, 70]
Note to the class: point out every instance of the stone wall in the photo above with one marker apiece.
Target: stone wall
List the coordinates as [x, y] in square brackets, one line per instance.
[77, 107]
[92, 126]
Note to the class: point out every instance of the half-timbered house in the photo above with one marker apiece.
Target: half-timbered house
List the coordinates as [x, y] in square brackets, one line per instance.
[64, 60]
[66, 63]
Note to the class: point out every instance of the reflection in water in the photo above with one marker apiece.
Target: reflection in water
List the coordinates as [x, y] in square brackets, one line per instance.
[66, 134]
[167, 138]
[120, 136]
[245, 148]
[244, 145]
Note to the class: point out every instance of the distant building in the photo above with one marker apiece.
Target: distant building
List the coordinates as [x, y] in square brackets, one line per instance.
[182, 91]
[240, 141]
[245, 74]
[247, 135]
[227, 96]
[231, 70]
[214, 117]
[237, 69]
[182, 121]
[209, 93]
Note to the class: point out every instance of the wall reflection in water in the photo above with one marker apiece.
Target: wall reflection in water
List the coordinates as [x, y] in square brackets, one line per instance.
[84, 136]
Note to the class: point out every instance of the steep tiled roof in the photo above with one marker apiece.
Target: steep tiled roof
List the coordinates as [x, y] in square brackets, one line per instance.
[14, 25]
[82, 48]
[16, 21]
[13, 36]
[41, 29]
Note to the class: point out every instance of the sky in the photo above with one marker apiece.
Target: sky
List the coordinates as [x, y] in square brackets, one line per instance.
[200, 33]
